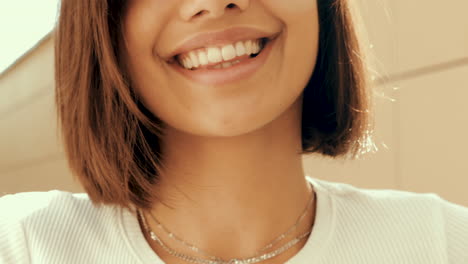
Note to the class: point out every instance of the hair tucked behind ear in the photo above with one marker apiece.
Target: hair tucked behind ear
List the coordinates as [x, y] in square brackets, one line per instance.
[112, 142]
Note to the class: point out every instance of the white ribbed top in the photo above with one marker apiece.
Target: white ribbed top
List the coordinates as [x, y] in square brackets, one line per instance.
[352, 225]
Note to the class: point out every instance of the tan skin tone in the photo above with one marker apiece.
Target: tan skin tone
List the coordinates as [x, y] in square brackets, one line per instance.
[233, 175]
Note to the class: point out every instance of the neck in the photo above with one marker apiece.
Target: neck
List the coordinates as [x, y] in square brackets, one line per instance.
[231, 196]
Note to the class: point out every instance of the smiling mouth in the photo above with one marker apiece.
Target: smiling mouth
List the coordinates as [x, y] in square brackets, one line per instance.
[220, 57]
[225, 70]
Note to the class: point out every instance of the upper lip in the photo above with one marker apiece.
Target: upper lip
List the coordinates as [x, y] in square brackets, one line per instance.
[218, 38]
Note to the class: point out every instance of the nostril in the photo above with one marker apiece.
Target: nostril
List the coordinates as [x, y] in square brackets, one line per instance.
[231, 5]
[199, 13]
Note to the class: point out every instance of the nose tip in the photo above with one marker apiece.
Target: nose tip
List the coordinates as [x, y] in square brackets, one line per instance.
[211, 8]
[215, 12]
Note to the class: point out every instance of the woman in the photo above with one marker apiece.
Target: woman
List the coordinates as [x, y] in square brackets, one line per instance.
[185, 122]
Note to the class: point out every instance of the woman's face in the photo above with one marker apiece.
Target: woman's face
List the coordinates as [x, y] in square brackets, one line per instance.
[208, 100]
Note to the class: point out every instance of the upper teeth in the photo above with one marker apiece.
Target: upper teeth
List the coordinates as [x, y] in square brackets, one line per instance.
[210, 55]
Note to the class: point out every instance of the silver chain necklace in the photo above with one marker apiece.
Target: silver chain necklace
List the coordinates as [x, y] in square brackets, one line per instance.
[217, 260]
[279, 238]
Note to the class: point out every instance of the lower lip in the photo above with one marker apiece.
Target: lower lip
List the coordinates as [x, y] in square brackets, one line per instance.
[242, 70]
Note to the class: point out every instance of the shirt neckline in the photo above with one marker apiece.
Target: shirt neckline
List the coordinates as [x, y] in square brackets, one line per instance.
[318, 239]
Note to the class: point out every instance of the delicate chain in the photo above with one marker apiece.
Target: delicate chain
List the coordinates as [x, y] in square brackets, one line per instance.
[272, 243]
[218, 260]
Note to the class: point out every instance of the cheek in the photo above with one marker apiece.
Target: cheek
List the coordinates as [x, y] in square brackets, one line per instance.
[143, 24]
[291, 7]
[301, 23]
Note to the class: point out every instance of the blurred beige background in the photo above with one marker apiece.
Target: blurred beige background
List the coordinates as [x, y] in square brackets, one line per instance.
[421, 132]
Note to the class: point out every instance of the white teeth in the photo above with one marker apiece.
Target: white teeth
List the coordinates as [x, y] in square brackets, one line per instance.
[229, 52]
[240, 48]
[226, 64]
[214, 55]
[194, 59]
[255, 47]
[248, 47]
[184, 63]
[188, 63]
[203, 58]
[211, 55]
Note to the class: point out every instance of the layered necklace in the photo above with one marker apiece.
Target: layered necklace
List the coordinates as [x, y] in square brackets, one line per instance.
[259, 256]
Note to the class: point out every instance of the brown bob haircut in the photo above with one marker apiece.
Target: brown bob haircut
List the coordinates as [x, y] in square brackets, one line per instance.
[112, 142]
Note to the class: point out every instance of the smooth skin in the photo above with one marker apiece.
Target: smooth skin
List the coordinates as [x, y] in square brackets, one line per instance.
[232, 173]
